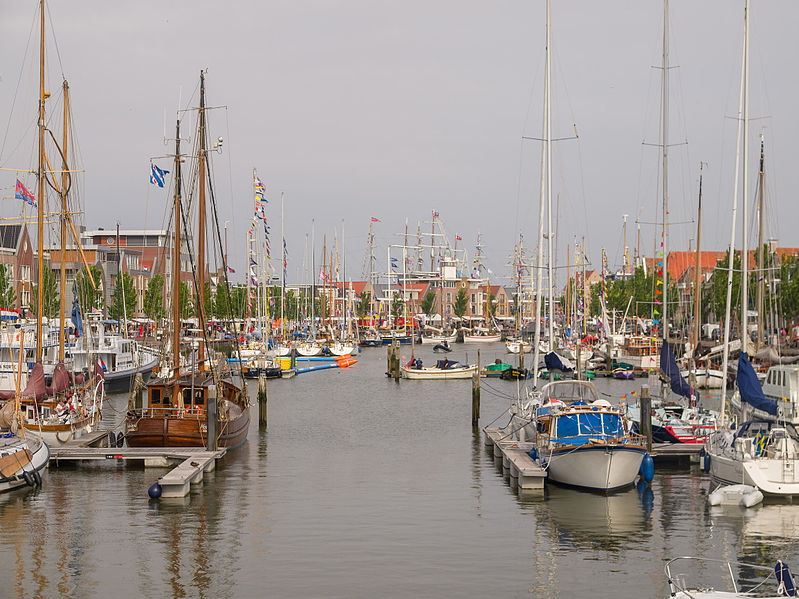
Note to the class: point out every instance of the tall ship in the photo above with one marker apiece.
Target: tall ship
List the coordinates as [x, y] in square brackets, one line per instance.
[196, 401]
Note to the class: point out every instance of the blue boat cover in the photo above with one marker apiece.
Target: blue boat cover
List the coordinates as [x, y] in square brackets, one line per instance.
[749, 386]
[553, 362]
[670, 373]
[787, 586]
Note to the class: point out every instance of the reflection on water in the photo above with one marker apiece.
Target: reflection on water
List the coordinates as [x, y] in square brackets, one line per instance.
[365, 487]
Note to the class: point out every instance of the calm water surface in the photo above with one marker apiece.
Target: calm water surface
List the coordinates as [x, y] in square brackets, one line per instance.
[362, 487]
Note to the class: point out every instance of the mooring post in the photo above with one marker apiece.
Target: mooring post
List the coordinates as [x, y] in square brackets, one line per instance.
[645, 406]
[389, 365]
[396, 360]
[521, 355]
[579, 369]
[262, 398]
[476, 393]
[293, 354]
[210, 441]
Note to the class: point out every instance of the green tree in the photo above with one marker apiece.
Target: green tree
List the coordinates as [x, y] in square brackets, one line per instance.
[789, 288]
[717, 301]
[362, 308]
[208, 300]
[397, 305]
[429, 303]
[154, 298]
[460, 303]
[185, 303]
[124, 288]
[90, 297]
[8, 297]
[50, 296]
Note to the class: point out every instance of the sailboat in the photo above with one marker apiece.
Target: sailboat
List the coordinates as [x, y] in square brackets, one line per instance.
[201, 405]
[764, 451]
[71, 405]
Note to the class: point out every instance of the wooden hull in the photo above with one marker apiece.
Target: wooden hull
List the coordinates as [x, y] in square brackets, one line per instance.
[188, 431]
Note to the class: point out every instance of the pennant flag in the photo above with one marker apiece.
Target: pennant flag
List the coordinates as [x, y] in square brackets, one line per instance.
[230, 270]
[157, 175]
[435, 213]
[260, 189]
[23, 194]
[458, 238]
[375, 220]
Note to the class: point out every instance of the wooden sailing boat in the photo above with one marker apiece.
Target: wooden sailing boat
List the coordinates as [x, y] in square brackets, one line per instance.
[71, 405]
[199, 405]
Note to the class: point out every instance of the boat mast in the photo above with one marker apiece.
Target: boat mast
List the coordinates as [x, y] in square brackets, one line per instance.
[745, 197]
[283, 276]
[698, 273]
[201, 226]
[665, 160]
[313, 279]
[760, 261]
[550, 265]
[544, 158]
[64, 179]
[176, 268]
[730, 261]
[40, 205]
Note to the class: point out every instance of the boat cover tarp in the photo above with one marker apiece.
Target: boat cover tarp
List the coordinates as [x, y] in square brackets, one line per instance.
[36, 386]
[62, 379]
[749, 386]
[671, 373]
[553, 362]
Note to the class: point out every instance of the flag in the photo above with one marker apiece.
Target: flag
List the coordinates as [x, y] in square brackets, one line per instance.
[230, 270]
[458, 238]
[260, 189]
[76, 318]
[435, 213]
[157, 175]
[23, 194]
[375, 220]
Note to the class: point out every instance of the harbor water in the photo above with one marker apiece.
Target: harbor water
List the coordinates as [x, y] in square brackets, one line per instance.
[365, 487]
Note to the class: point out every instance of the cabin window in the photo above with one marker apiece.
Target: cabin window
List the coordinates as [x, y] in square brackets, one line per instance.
[155, 396]
[187, 397]
[199, 397]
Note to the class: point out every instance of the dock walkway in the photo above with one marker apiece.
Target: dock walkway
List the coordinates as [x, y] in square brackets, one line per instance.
[528, 474]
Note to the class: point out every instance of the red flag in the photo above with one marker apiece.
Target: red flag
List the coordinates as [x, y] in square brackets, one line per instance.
[375, 220]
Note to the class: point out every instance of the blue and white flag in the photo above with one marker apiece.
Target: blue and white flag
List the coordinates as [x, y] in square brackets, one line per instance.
[157, 175]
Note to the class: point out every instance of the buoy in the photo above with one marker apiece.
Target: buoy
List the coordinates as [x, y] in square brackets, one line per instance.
[112, 439]
[706, 462]
[28, 478]
[120, 439]
[37, 478]
[647, 470]
[154, 491]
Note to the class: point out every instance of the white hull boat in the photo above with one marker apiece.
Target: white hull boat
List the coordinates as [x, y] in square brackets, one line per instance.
[706, 378]
[597, 467]
[433, 373]
[22, 462]
[309, 349]
[337, 348]
[436, 339]
[516, 347]
[760, 579]
[482, 338]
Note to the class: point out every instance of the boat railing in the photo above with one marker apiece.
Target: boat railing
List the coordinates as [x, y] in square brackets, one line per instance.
[199, 412]
[678, 584]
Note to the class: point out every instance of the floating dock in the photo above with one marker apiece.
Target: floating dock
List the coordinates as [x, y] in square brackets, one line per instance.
[189, 463]
[527, 473]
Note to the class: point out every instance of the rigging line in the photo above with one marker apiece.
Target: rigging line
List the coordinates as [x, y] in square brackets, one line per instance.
[19, 81]
[55, 42]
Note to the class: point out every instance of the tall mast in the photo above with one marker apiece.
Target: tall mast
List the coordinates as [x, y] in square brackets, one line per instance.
[550, 281]
[540, 248]
[745, 196]
[176, 262]
[283, 276]
[344, 280]
[730, 261]
[64, 177]
[40, 205]
[760, 261]
[698, 273]
[201, 225]
[371, 268]
[313, 279]
[665, 158]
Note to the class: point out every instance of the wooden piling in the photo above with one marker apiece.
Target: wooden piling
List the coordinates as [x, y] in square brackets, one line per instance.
[521, 355]
[210, 421]
[262, 399]
[645, 406]
[476, 393]
[395, 360]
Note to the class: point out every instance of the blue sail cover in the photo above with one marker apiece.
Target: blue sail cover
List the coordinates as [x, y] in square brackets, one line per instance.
[553, 362]
[671, 373]
[749, 386]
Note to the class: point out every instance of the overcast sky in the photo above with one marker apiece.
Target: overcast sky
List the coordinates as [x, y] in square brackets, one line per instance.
[359, 109]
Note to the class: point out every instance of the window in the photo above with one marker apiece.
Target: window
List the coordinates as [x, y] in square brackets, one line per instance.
[155, 396]
[25, 273]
